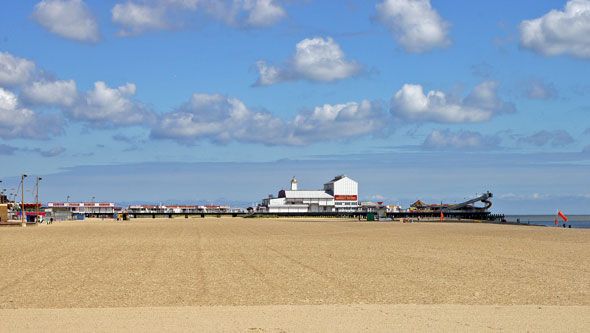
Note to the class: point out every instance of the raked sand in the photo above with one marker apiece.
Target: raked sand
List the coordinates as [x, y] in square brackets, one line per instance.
[274, 275]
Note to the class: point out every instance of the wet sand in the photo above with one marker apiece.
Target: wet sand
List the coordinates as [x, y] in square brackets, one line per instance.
[237, 272]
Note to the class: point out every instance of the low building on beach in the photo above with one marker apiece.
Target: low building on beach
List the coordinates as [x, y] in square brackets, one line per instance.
[80, 210]
[177, 209]
[13, 211]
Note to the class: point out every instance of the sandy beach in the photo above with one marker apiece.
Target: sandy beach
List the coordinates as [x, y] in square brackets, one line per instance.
[239, 274]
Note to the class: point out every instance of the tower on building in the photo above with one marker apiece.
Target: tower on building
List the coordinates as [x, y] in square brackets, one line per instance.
[293, 184]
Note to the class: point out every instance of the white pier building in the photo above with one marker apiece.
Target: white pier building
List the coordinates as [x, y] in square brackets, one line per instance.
[339, 195]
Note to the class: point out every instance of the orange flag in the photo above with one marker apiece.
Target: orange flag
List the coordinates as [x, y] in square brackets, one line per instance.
[562, 216]
[441, 216]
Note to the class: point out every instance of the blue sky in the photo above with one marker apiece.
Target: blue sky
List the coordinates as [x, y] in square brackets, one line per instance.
[416, 99]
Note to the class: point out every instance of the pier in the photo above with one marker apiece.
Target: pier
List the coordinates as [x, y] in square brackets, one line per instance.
[476, 215]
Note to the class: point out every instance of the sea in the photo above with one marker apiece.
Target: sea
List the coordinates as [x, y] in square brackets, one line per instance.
[575, 221]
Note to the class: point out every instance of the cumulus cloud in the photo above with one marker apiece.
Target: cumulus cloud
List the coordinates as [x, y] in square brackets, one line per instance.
[410, 103]
[14, 71]
[415, 25]
[537, 89]
[269, 75]
[559, 32]
[107, 107]
[463, 140]
[337, 121]
[263, 12]
[141, 16]
[223, 119]
[316, 59]
[319, 59]
[220, 119]
[99, 107]
[58, 93]
[70, 19]
[553, 138]
[138, 18]
[19, 122]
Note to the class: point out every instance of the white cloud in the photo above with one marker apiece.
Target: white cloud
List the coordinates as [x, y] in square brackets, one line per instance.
[338, 121]
[411, 103]
[100, 107]
[463, 140]
[59, 93]
[223, 119]
[263, 12]
[18, 122]
[319, 59]
[14, 71]
[138, 18]
[269, 75]
[415, 25]
[559, 32]
[70, 19]
[105, 107]
[220, 119]
[316, 59]
[147, 15]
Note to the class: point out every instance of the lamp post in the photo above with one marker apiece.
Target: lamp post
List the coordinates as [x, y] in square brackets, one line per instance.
[22, 180]
[37, 200]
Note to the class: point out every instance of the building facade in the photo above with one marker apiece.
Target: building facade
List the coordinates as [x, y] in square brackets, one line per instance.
[78, 210]
[177, 209]
[339, 195]
[345, 192]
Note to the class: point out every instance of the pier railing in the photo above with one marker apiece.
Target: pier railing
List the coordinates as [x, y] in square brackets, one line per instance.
[476, 215]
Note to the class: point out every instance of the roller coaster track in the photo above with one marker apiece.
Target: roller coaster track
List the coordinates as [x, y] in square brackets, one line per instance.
[488, 205]
[483, 198]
